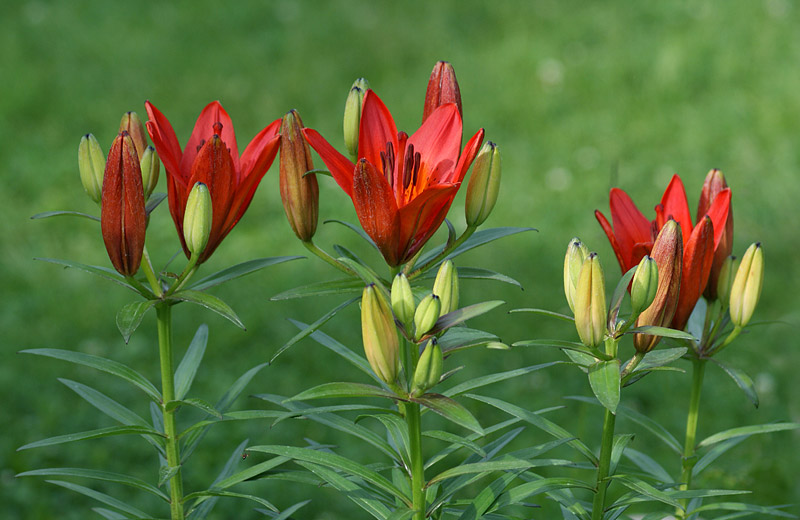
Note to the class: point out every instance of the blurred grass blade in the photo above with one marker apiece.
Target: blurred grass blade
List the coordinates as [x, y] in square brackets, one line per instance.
[357, 229]
[109, 514]
[480, 504]
[454, 439]
[642, 487]
[106, 476]
[621, 442]
[210, 302]
[544, 312]
[48, 214]
[203, 506]
[286, 513]
[738, 506]
[282, 416]
[477, 273]
[481, 237]
[518, 493]
[100, 363]
[153, 202]
[92, 434]
[450, 410]
[220, 493]
[239, 270]
[335, 390]
[747, 431]
[714, 453]
[482, 468]
[463, 314]
[195, 403]
[340, 286]
[648, 465]
[605, 382]
[130, 316]
[102, 272]
[357, 494]
[187, 369]
[102, 497]
[307, 331]
[742, 380]
[478, 382]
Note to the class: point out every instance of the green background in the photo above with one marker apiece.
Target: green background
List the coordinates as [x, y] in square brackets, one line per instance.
[580, 96]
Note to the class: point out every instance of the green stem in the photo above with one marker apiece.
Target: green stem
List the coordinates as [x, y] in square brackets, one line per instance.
[689, 460]
[149, 272]
[441, 256]
[311, 246]
[732, 336]
[417, 464]
[164, 317]
[187, 273]
[603, 467]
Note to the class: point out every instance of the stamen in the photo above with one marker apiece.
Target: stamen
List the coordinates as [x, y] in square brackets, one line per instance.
[416, 167]
[202, 142]
[408, 166]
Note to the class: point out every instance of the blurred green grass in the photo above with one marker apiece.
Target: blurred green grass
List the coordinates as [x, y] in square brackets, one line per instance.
[580, 97]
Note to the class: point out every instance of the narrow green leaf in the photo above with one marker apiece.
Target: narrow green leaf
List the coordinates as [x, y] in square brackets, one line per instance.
[331, 460]
[494, 378]
[455, 439]
[307, 331]
[335, 390]
[747, 431]
[105, 404]
[287, 513]
[358, 495]
[219, 493]
[210, 302]
[544, 312]
[366, 274]
[481, 467]
[584, 361]
[244, 415]
[450, 410]
[203, 506]
[239, 270]
[109, 514]
[340, 286]
[195, 403]
[660, 357]
[48, 214]
[102, 497]
[463, 314]
[540, 422]
[459, 338]
[476, 273]
[616, 299]
[479, 238]
[517, 494]
[153, 202]
[640, 486]
[574, 346]
[184, 375]
[343, 251]
[105, 476]
[102, 272]
[398, 431]
[165, 473]
[480, 504]
[130, 317]
[605, 382]
[100, 363]
[738, 506]
[742, 380]
[92, 434]
[329, 409]
[621, 442]
[664, 332]
[714, 453]
[648, 465]
[357, 229]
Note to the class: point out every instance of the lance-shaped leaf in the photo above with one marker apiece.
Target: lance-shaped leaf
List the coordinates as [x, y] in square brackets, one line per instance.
[184, 375]
[747, 431]
[102, 272]
[130, 316]
[544, 312]
[348, 488]
[605, 382]
[334, 390]
[340, 286]
[741, 379]
[209, 302]
[93, 434]
[48, 214]
[479, 238]
[450, 410]
[102, 497]
[239, 270]
[461, 315]
[94, 474]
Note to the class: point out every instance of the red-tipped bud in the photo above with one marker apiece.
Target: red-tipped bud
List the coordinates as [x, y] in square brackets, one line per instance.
[299, 192]
[122, 216]
[132, 124]
[698, 255]
[442, 89]
[667, 253]
[713, 185]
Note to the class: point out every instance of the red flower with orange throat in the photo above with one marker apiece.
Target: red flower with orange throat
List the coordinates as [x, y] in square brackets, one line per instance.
[212, 157]
[402, 186]
[632, 237]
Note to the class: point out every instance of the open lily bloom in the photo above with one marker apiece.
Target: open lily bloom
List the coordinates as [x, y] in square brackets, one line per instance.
[632, 237]
[212, 157]
[402, 186]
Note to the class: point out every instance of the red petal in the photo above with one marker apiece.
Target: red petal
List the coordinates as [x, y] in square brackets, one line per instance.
[376, 209]
[420, 219]
[164, 139]
[340, 166]
[467, 156]
[697, 259]
[630, 226]
[675, 205]
[256, 155]
[611, 238]
[245, 191]
[377, 128]
[438, 142]
[719, 213]
[203, 130]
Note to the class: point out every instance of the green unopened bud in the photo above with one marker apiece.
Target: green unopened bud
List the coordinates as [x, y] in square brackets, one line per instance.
[446, 286]
[746, 288]
[379, 334]
[645, 285]
[573, 261]
[429, 368]
[150, 167]
[590, 302]
[92, 166]
[132, 124]
[727, 273]
[426, 315]
[352, 115]
[197, 219]
[402, 299]
[484, 184]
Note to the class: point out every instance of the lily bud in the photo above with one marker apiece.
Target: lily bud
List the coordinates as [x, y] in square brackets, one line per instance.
[429, 368]
[402, 299]
[425, 317]
[484, 184]
[446, 286]
[726, 275]
[573, 261]
[442, 88]
[645, 284]
[197, 219]
[91, 165]
[299, 192]
[150, 166]
[590, 302]
[352, 115]
[713, 185]
[133, 125]
[379, 334]
[122, 215]
[746, 288]
[668, 254]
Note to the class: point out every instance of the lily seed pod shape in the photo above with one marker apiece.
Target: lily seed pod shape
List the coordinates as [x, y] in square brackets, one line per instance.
[484, 185]
[402, 300]
[573, 261]
[379, 334]
[91, 166]
[590, 302]
[212, 157]
[442, 89]
[746, 288]
[667, 254]
[122, 213]
[299, 190]
[401, 186]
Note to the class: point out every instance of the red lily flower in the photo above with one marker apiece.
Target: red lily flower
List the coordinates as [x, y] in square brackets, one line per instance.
[402, 186]
[212, 157]
[633, 234]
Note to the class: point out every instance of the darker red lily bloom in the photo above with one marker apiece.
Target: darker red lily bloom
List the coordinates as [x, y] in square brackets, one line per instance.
[402, 186]
[212, 157]
[632, 237]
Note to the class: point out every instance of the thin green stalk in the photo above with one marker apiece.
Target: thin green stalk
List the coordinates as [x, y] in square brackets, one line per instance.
[149, 272]
[689, 460]
[187, 273]
[603, 467]
[311, 246]
[441, 256]
[164, 317]
[417, 464]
